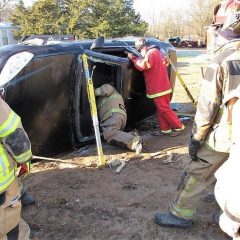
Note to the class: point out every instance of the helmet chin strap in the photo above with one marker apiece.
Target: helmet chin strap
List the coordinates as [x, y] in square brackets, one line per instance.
[227, 35]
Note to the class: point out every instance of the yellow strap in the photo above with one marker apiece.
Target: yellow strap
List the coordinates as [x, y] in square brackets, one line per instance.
[93, 107]
[183, 83]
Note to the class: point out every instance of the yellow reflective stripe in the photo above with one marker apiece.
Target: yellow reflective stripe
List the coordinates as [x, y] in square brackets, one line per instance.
[5, 182]
[159, 94]
[9, 125]
[118, 110]
[229, 131]
[4, 164]
[206, 144]
[182, 213]
[189, 185]
[24, 156]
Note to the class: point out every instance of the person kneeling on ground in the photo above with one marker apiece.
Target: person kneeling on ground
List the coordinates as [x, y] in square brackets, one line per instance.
[112, 116]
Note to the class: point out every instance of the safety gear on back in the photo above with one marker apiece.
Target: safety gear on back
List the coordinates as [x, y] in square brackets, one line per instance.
[140, 43]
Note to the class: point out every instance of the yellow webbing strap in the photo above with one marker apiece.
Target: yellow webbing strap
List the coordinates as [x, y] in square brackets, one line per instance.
[93, 107]
[183, 83]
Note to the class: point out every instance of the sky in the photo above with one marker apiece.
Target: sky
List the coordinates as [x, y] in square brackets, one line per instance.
[150, 9]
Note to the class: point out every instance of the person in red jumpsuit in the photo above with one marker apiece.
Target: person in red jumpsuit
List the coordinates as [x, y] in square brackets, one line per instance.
[153, 64]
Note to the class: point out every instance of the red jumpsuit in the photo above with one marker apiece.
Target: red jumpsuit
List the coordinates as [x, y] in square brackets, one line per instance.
[158, 87]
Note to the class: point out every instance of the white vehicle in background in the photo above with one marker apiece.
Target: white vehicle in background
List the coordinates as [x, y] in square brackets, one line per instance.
[6, 34]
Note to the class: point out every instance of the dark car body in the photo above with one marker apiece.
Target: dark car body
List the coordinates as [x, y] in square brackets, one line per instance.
[50, 92]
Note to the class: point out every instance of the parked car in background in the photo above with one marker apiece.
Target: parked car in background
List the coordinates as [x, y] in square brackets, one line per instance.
[174, 41]
[188, 44]
[46, 86]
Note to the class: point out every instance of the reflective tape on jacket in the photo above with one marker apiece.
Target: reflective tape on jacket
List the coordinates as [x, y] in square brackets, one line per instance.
[107, 105]
[113, 110]
[159, 94]
[7, 175]
[110, 98]
[23, 157]
[9, 125]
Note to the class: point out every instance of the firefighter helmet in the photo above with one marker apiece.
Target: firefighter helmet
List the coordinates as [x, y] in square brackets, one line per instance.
[227, 15]
[139, 43]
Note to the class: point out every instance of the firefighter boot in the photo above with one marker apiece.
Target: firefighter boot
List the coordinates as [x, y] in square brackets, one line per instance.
[169, 220]
[136, 145]
[27, 199]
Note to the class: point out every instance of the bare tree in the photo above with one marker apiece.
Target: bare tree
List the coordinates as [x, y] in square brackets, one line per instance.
[200, 16]
[6, 9]
[184, 22]
[171, 24]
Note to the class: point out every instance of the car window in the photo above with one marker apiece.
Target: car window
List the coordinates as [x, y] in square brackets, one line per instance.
[14, 65]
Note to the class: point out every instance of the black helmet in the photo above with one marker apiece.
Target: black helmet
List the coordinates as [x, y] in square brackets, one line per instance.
[139, 43]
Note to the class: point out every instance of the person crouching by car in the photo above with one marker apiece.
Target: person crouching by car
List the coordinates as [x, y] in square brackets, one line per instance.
[112, 115]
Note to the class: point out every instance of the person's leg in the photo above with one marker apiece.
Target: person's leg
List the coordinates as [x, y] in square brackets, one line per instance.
[13, 234]
[24, 230]
[113, 133]
[26, 198]
[10, 210]
[170, 117]
[161, 108]
[197, 178]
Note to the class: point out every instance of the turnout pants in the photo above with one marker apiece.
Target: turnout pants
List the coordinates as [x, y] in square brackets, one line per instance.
[198, 175]
[10, 209]
[113, 131]
[167, 118]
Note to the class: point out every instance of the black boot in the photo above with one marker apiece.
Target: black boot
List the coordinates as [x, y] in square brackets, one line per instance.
[27, 199]
[169, 220]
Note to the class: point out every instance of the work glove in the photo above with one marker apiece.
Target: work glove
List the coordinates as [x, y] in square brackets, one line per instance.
[24, 169]
[130, 56]
[97, 92]
[193, 147]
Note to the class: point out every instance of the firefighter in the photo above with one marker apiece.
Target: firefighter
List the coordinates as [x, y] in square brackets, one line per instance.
[153, 64]
[15, 148]
[210, 141]
[228, 178]
[26, 198]
[113, 117]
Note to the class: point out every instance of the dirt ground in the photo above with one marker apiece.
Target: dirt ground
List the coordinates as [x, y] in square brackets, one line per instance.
[77, 201]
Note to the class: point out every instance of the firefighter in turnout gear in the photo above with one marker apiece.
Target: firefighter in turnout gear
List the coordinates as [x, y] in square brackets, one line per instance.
[15, 149]
[211, 138]
[154, 67]
[226, 189]
[112, 115]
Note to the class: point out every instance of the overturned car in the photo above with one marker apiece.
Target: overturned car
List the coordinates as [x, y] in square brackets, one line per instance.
[46, 86]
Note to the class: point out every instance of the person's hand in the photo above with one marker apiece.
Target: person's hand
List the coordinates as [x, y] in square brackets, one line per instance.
[229, 227]
[130, 56]
[192, 148]
[24, 169]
